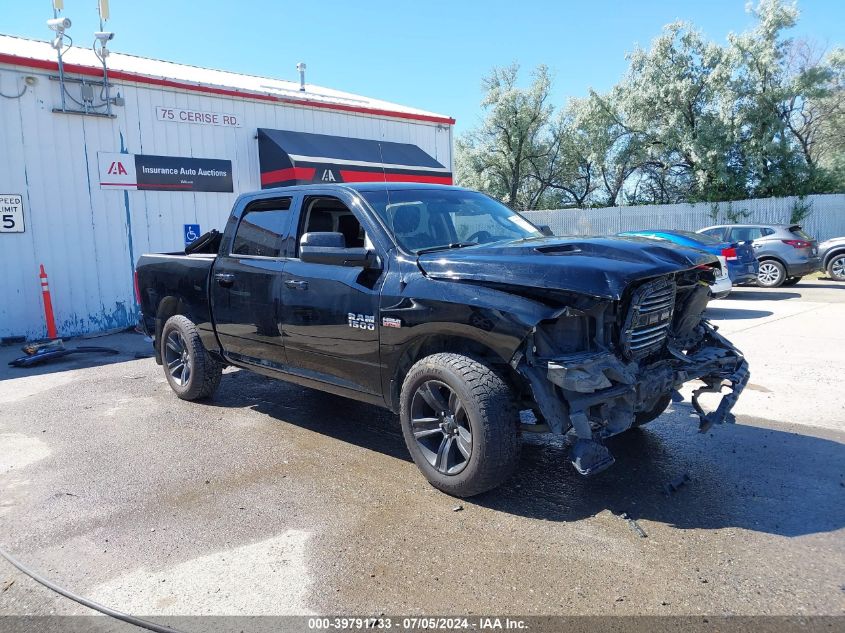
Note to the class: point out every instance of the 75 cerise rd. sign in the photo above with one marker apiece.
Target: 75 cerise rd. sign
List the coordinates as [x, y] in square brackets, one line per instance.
[201, 117]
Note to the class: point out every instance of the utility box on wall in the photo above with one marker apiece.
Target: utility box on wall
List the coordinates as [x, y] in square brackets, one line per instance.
[86, 195]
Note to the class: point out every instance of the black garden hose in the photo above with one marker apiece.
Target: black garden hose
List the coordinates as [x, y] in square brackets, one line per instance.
[46, 356]
[114, 613]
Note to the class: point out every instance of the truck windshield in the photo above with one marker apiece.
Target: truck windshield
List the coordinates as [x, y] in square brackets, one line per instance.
[425, 220]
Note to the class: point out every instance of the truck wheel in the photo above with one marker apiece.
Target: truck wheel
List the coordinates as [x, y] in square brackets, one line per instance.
[771, 274]
[644, 417]
[192, 373]
[460, 424]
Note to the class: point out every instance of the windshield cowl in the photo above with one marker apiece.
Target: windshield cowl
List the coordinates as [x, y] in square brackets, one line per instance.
[445, 247]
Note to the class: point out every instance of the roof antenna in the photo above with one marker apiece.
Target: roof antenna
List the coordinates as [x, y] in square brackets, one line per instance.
[386, 190]
[381, 156]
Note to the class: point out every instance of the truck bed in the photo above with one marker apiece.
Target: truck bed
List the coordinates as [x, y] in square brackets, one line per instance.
[183, 277]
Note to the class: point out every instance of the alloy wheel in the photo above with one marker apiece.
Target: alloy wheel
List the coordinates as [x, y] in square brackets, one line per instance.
[769, 274]
[177, 358]
[441, 427]
[837, 268]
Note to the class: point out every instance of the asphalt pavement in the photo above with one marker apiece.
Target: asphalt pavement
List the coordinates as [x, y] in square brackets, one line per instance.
[276, 499]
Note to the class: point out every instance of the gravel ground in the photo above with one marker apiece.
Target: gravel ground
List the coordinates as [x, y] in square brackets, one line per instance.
[276, 499]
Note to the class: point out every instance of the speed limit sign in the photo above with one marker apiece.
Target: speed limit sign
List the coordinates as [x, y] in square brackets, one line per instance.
[11, 213]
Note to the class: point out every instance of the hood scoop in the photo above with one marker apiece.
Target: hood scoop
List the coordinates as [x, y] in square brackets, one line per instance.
[559, 249]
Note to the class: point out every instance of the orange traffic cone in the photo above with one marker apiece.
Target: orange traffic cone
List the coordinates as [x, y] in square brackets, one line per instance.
[48, 305]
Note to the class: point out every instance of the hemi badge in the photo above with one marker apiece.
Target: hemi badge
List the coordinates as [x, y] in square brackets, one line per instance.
[391, 322]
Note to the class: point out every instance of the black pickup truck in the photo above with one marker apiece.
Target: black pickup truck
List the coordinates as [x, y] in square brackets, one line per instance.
[447, 308]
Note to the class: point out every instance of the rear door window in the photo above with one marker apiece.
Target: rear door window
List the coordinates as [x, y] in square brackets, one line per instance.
[746, 234]
[718, 233]
[262, 229]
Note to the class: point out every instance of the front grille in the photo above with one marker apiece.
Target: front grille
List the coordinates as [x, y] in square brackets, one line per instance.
[649, 318]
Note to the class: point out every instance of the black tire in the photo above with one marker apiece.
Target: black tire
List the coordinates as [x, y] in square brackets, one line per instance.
[791, 281]
[836, 267]
[772, 274]
[644, 417]
[482, 406]
[190, 370]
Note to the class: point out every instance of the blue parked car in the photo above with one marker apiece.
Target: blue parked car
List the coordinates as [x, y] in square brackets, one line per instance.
[738, 256]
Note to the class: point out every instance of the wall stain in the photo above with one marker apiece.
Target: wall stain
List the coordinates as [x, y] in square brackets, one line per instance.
[119, 317]
[136, 313]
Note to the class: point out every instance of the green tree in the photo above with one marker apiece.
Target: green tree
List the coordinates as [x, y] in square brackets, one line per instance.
[690, 121]
[819, 123]
[501, 155]
[610, 145]
[566, 175]
[786, 99]
[671, 98]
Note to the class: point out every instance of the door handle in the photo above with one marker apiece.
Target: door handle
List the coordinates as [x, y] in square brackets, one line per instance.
[225, 279]
[296, 284]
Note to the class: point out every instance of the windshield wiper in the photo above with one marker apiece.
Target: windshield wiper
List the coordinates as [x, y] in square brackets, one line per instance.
[445, 247]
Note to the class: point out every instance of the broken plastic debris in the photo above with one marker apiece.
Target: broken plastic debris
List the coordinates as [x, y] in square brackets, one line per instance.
[632, 523]
[675, 484]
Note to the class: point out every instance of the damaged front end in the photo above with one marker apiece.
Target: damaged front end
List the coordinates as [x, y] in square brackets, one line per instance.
[599, 367]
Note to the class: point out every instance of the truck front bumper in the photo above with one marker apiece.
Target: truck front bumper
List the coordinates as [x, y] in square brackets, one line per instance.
[598, 394]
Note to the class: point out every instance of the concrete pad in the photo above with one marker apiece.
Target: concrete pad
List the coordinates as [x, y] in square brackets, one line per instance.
[266, 578]
[796, 352]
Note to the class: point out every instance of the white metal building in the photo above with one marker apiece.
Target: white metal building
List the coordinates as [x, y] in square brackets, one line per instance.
[84, 194]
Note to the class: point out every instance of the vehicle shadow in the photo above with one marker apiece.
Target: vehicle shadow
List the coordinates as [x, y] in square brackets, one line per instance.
[343, 419]
[748, 294]
[832, 284]
[740, 476]
[746, 476]
[730, 314]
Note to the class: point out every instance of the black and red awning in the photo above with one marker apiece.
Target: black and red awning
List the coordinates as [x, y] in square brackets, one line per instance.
[293, 158]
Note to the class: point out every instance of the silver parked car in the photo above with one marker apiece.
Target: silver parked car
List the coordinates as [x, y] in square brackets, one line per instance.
[785, 252]
[832, 254]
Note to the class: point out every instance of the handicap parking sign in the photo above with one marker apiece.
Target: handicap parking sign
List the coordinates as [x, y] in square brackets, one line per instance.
[192, 232]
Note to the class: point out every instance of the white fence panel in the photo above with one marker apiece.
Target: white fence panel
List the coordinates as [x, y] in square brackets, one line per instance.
[826, 219]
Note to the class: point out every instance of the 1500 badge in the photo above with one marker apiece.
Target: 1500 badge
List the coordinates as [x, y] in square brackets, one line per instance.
[361, 321]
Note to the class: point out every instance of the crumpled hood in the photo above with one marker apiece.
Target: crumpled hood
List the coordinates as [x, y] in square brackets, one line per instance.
[595, 266]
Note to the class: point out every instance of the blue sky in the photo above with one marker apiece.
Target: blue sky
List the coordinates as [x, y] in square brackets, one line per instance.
[429, 55]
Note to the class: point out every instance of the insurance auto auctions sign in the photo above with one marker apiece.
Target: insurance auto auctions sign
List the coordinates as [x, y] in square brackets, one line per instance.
[164, 173]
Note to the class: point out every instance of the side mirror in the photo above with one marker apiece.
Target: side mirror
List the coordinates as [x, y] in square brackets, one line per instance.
[330, 248]
[546, 230]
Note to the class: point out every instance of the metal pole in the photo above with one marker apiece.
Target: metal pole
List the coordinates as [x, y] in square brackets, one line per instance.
[105, 69]
[61, 65]
[62, 77]
[106, 82]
